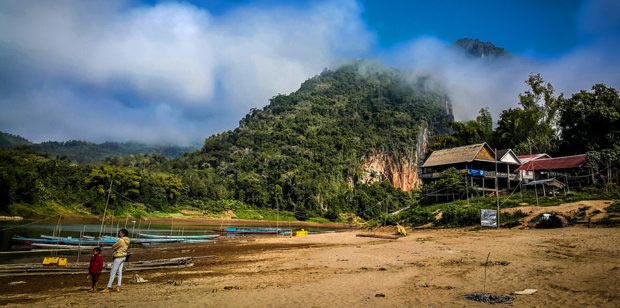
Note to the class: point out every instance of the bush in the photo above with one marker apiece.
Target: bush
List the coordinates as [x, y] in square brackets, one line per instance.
[459, 216]
[419, 216]
[509, 220]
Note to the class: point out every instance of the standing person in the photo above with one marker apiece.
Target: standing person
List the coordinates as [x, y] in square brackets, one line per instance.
[95, 268]
[119, 255]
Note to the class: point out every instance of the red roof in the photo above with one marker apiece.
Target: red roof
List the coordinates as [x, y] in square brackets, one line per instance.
[568, 162]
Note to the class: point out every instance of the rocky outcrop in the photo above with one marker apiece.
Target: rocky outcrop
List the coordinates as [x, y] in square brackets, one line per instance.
[380, 166]
[401, 172]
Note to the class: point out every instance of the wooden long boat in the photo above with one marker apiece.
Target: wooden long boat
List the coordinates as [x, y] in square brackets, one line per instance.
[29, 240]
[69, 240]
[37, 269]
[65, 241]
[256, 230]
[147, 240]
[180, 237]
[63, 246]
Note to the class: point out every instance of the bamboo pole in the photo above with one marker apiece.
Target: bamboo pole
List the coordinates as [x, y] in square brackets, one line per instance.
[106, 208]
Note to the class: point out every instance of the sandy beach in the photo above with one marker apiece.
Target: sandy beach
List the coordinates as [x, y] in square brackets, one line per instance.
[573, 266]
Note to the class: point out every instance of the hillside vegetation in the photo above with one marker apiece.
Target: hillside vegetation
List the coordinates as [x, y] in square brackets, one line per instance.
[302, 153]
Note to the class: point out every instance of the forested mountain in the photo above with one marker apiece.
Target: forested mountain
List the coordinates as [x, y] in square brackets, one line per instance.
[306, 150]
[88, 152]
[480, 49]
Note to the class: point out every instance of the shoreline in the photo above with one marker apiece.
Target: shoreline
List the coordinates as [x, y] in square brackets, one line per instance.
[572, 266]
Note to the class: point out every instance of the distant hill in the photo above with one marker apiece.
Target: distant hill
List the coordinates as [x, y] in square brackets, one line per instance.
[87, 152]
[479, 49]
[8, 140]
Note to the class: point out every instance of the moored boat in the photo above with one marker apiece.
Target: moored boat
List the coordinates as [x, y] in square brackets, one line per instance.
[147, 240]
[256, 230]
[180, 237]
[62, 240]
[63, 246]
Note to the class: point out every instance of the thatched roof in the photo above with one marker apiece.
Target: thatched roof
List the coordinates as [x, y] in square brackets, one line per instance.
[464, 154]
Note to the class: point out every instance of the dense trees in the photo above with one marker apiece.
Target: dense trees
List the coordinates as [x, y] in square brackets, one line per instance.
[469, 132]
[303, 152]
[533, 125]
[590, 121]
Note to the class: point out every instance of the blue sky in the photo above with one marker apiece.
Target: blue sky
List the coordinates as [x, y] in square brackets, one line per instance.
[179, 71]
[545, 27]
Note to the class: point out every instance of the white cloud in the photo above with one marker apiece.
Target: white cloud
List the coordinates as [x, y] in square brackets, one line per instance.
[173, 72]
[160, 72]
[473, 83]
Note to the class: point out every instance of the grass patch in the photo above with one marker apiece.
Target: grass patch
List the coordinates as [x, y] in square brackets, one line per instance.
[270, 215]
[319, 220]
[509, 220]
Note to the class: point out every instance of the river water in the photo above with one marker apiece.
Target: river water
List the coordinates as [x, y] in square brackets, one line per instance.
[93, 227]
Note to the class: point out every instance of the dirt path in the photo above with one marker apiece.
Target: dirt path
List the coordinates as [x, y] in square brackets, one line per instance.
[570, 267]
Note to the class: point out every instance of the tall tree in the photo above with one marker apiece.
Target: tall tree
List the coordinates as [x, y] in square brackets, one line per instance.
[533, 125]
[590, 121]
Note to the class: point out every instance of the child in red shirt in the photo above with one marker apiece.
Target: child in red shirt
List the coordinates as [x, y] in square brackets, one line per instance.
[95, 268]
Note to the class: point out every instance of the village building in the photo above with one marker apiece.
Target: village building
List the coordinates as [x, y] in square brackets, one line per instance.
[568, 169]
[477, 164]
[528, 175]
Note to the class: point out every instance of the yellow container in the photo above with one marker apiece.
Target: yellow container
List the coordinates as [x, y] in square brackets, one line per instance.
[62, 261]
[301, 232]
[50, 261]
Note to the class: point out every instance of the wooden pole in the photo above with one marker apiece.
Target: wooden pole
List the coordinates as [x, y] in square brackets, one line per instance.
[496, 190]
[105, 209]
[486, 264]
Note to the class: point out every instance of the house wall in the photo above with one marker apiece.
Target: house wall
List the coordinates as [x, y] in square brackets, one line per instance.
[485, 154]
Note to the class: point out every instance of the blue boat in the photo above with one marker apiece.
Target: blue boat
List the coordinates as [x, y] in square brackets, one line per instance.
[256, 230]
[180, 237]
[147, 240]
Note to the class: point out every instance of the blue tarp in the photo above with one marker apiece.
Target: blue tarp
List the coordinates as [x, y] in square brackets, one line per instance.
[475, 172]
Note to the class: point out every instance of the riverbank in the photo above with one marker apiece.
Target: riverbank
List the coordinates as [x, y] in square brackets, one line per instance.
[182, 219]
[573, 266]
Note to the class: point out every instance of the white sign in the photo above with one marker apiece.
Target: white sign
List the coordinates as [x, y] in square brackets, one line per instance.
[488, 218]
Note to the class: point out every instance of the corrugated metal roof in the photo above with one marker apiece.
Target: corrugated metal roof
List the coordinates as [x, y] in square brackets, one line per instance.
[528, 157]
[567, 162]
[456, 155]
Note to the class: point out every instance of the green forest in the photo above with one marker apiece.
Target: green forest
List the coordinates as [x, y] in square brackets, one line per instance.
[302, 154]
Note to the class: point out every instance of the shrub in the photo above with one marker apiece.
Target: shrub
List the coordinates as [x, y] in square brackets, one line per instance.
[509, 220]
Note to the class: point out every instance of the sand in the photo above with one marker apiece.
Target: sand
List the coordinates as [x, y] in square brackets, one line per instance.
[569, 267]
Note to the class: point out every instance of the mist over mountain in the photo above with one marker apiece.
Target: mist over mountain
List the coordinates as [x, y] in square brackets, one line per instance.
[310, 150]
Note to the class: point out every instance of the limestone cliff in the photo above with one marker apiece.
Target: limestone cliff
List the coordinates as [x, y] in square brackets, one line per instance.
[402, 173]
[380, 166]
